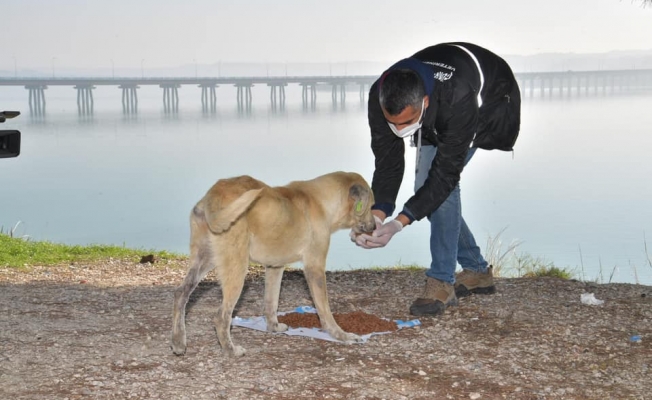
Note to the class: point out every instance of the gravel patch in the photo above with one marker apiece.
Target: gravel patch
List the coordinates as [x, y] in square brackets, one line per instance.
[102, 331]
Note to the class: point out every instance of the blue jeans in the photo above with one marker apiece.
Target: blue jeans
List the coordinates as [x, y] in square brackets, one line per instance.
[451, 241]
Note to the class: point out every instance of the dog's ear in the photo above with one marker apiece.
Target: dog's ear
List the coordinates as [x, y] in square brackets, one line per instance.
[361, 197]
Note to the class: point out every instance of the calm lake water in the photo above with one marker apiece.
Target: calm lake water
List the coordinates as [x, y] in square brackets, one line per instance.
[576, 191]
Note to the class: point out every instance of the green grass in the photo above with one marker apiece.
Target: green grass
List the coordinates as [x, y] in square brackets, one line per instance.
[551, 271]
[508, 262]
[19, 252]
[399, 266]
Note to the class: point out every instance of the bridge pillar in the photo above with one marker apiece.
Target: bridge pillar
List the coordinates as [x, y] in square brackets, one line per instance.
[129, 99]
[342, 88]
[170, 97]
[561, 86]
[569, 86]
[309, 94]
[587, 84]
[244, 96]
[531, 87]
[208, 97]
[363, 92]
[596, 84]
[85, 102]
[36, 99]
[277, 97]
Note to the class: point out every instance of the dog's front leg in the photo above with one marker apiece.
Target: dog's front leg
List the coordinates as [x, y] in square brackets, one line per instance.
[316, 277]
[273, 277]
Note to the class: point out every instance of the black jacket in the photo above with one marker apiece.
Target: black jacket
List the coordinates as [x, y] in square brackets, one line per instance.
[453, 122]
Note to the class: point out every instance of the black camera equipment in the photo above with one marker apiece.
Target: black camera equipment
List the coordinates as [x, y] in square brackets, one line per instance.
[9, 139]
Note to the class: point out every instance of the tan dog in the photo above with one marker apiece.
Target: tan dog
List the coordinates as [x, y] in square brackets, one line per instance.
[242, 219]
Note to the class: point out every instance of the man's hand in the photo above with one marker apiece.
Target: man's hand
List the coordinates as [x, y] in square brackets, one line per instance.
[381, 236]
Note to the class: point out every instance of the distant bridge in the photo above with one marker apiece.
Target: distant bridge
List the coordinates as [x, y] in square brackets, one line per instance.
[208, 85]
[531, 83]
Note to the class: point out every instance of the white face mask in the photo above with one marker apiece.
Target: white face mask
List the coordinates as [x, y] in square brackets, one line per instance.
[410, 129]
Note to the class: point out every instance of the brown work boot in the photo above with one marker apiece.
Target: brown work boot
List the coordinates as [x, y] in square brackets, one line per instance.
[468, 282]
[437, 295]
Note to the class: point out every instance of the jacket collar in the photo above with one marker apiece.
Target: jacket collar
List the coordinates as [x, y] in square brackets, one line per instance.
[421, 68]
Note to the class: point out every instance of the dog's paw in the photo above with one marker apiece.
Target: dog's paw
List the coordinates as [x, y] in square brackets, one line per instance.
[178, 349]
[346, 337]
[277, 327]
[351, 338]
[236, 351]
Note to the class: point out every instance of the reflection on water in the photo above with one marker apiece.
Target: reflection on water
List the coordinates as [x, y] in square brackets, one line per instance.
[573, 191]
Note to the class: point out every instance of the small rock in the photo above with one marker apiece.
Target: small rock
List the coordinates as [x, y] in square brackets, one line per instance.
[147, 259]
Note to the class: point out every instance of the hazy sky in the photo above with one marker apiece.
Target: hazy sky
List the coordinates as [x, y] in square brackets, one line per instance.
[160, 33]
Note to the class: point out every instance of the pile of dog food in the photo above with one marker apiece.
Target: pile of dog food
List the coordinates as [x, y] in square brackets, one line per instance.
[357, 322]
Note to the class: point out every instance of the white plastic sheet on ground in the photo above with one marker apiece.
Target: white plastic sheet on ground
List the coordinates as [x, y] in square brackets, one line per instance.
[589, 298]
[259, 324]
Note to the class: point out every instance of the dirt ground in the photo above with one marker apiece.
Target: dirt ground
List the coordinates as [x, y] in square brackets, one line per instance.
[102, 331]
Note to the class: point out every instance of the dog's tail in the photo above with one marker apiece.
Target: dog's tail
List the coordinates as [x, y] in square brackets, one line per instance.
[221, 219]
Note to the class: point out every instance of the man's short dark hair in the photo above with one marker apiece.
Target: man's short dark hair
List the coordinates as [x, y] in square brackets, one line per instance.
[400, 88]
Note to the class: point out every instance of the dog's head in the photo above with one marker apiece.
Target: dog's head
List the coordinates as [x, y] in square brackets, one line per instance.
[361, 198]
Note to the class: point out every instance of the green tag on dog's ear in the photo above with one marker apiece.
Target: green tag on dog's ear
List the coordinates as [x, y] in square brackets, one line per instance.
[358, 206]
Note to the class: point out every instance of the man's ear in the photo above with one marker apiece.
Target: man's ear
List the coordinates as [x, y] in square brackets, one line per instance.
[426, 101]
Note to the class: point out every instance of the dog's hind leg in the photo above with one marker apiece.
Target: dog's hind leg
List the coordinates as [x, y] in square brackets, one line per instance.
[200, 265]
[273, 277]
[231, 273]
